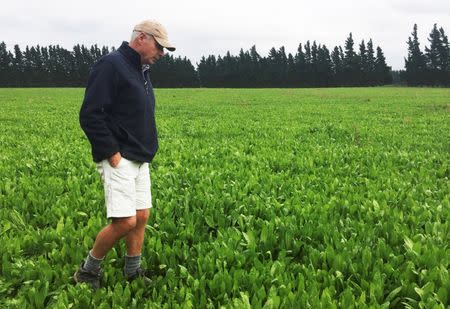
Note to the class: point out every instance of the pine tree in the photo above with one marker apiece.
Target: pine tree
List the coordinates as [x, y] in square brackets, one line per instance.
[308, 78]
[382, 71]
[227, 74]
[437, 57]
[6, 63]
[17, 66]
[314, 69]
[187, 73]
[350, 62]
[27, 66]
[36, 76]
[363, 77]
[324, 70]
[445, 57]
[95, 52]
[45, 58]
[243, 78]
[433, 57]
[105, 50]
[207, 71]
[256, 69]
[337, 64]
[370, 66]
[300, 66]
[415, 64]
[283, 67]
[290, 76]
[432, 53]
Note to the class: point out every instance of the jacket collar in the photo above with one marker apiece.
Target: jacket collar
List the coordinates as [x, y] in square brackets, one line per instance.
[132, 55]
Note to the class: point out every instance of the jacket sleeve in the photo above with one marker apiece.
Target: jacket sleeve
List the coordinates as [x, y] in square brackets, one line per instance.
[98, 100]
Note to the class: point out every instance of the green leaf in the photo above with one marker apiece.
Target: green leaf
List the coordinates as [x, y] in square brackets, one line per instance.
[409, 245]
[393, 293]
[183, 271]
[209, 221]
[419, 291]
[249, 238]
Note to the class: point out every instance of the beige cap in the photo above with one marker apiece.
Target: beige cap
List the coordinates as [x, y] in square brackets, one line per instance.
[157, 30]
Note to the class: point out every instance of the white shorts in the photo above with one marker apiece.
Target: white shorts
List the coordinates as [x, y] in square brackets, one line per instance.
[127, 187]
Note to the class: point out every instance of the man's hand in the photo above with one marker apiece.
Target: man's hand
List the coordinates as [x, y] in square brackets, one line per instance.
[115, 159]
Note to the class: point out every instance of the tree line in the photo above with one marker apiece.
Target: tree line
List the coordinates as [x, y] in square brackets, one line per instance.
[54, 66]
[432, 67]
[313, 65]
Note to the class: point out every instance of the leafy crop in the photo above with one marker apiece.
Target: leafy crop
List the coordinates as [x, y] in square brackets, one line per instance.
[262, 198]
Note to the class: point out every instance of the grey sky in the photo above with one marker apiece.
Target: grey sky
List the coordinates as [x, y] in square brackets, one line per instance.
[203, 27]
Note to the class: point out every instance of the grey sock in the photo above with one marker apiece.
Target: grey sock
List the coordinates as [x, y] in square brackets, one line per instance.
[92, 263]
[132, 263]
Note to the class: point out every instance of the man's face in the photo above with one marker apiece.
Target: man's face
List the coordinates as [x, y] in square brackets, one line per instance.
[151, 51]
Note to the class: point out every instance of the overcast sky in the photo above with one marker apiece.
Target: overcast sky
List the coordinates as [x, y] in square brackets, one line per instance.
[203, 27]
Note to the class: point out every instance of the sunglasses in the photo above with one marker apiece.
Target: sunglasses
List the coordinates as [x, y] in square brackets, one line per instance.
[158, 46]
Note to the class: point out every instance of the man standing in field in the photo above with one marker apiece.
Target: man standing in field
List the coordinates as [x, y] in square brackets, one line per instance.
[118, 118]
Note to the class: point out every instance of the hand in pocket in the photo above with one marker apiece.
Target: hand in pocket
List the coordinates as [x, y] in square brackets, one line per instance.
[115, 159]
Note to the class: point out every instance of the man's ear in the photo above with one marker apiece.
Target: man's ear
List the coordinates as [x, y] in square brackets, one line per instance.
[141, 37]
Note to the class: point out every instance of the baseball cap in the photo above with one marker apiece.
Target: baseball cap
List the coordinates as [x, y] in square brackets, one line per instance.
[157, 30]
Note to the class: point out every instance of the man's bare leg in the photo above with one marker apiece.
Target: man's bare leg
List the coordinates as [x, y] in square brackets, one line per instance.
[89, 271]
[110, 234]
[135, 238]
[134, 241]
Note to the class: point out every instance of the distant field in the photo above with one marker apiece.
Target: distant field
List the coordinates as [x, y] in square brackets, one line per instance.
[289, 198]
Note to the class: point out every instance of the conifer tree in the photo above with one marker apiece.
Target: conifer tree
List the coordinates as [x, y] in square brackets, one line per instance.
[437, 57]
[243, 74]
[350, 62]
[6, 63]
[300, 66]
[313, 67]
[290, 75]
[363, 64]
[283, 67]
[324, 70]
[337, 66]
[308, 79]
[432, 53]
[273, 68]
[370, 66]
[445, 58]
[415, 64]
[444, 50]
[105, 50]
[382, 71]
[256, 69]
[227, 72]
[207, 71]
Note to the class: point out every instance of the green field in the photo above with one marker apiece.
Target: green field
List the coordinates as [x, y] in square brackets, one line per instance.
[289, 198]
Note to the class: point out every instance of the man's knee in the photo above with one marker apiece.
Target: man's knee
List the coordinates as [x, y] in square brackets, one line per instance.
[124, 225]
[142, 216]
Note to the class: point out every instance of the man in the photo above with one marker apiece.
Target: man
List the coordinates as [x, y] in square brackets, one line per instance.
[118, 118]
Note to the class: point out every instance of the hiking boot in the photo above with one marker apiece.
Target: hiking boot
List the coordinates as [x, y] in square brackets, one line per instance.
[140, 273]
[89, 277]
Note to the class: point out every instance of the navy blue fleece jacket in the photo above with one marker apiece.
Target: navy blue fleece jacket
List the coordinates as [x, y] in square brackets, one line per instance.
[118, 111]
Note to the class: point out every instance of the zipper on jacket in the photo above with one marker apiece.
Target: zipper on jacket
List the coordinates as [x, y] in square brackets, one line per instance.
[144, 69]
[145, 83]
